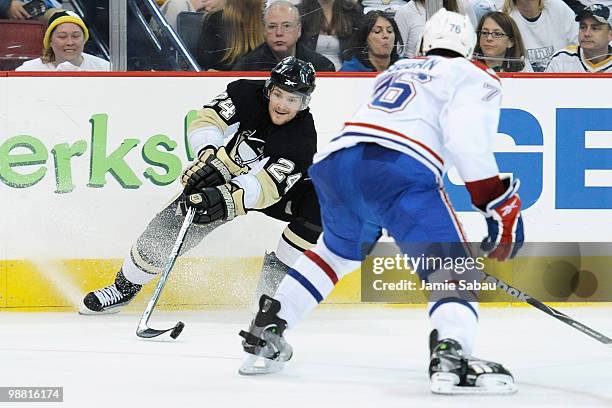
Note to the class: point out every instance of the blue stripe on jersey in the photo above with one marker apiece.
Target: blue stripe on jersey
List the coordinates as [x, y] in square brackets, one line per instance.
[306, 284]
[453, 299]
[390, 140]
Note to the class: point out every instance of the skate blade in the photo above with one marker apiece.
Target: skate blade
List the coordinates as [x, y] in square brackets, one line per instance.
[489, 384]
[108, 311]
[256, 365]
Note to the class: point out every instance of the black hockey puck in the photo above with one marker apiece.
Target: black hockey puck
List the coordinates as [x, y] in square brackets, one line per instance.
[177, 330]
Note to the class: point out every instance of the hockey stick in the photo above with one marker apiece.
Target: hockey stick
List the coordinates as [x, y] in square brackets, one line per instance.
[522, 296]
[143, 330]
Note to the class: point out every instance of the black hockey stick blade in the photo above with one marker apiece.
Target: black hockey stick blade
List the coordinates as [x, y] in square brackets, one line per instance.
[143, 329]
[149, 333]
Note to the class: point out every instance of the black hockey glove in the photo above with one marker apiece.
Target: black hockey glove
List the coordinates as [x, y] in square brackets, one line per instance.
[224, 202]
[212, 168]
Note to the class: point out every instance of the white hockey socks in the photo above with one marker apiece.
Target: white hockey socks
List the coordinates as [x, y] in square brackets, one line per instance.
[310, 281]
[455, 320]
[135, 268]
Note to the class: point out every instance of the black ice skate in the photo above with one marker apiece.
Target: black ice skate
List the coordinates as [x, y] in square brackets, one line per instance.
[264, 342]
[451, 373]
[110, 299]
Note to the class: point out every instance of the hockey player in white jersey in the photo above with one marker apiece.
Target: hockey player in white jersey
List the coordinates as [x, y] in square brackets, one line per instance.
[385, 170]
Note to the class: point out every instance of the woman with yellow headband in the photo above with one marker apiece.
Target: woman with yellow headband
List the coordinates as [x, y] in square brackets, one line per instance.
[63, 47]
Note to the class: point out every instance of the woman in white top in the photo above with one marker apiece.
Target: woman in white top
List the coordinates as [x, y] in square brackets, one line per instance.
[411, 19]
[63, 47]
[546, 26]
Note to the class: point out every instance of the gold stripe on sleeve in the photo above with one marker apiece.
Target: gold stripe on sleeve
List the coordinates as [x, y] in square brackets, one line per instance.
[208, 117]
[269, 191]
[296, 239]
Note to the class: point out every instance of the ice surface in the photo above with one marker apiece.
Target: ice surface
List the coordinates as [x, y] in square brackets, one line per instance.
[359, 357]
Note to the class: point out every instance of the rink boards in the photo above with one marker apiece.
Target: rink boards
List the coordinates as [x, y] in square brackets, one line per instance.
[85, 161]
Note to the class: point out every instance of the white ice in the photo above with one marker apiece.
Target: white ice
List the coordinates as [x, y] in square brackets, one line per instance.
[359, 357]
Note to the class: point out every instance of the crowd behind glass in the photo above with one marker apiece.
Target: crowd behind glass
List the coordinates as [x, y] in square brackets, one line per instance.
[343, 35]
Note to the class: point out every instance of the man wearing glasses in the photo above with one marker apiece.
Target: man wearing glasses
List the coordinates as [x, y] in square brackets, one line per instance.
[282, 30]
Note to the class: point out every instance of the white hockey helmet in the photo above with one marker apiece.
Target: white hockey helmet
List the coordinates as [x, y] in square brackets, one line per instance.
[449, 31]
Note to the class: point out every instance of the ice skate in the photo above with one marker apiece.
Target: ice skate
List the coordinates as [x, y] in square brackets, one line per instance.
[110, 299]
[451, 373]
[264, 342]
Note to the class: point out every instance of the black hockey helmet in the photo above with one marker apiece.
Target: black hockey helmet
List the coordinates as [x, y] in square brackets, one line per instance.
[295, 76]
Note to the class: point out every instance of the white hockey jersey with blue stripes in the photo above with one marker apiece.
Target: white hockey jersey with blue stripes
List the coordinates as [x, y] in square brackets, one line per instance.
[441, 111]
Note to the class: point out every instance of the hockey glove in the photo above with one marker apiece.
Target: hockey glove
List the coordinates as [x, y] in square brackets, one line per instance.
[212, 168]
[216, 203]
[504, 223]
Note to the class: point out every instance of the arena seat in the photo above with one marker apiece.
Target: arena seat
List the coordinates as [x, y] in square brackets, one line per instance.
[20, 40]
[188, 26]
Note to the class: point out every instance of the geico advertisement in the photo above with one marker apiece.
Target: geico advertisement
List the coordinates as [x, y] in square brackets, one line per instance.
[92, 159]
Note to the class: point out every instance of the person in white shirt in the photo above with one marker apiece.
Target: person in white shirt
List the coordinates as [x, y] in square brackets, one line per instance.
[593, 52]
[411, 18]
[546, 26]
[63, 45]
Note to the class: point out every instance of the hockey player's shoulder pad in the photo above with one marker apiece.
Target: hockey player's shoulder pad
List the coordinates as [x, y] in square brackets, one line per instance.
[484, 68]
[246, 92]
[296, 140]
[289, 153]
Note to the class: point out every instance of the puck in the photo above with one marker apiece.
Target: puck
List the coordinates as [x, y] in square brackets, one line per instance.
[177, 330]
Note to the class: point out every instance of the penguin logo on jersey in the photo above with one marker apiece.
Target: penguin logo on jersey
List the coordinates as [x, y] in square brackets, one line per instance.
[248, 149]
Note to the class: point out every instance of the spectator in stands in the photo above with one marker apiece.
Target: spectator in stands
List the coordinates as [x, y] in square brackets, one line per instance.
[229, 34]
[500, 45]
[411, 20]
[546, 26]
[327, 26]
[172, 8]
[593, 52]
[388, 6]
[63, 47]
[14, 10]
[375, 44]
[282, 30]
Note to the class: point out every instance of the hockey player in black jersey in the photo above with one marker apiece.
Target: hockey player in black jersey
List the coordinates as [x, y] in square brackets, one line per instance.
[272, 140]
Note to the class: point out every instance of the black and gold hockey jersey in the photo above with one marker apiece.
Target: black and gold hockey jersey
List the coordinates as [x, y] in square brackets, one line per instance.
[277, 155]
